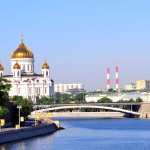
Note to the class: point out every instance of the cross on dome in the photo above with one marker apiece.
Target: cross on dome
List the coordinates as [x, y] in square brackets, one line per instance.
[22, 51]
[22, 38]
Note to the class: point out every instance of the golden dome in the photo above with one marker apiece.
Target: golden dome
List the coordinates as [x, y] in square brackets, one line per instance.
[22, 52]
[16, 66]
[1, 67]
[45, 66]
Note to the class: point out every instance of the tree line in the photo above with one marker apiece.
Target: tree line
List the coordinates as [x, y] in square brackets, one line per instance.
[8, 105]
[59, 98]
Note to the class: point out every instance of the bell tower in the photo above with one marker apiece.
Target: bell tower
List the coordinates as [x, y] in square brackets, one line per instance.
[45, 70]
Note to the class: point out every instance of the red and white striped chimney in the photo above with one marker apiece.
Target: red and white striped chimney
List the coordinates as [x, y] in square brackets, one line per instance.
[117, 78]
[108, 81]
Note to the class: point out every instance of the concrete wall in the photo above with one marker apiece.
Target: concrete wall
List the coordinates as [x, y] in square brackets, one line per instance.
[88, 114]
[25, 133]
[144, 110]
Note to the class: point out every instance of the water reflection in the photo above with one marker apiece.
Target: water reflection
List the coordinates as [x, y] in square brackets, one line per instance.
[92, 134]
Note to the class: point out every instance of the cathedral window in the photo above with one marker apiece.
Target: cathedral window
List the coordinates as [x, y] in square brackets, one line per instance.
[23, 67]
[31, 67]
[18, 73]
[28, 67]
[46, 73]
[45, 89]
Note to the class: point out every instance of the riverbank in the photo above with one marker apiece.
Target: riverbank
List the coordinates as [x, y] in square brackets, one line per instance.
[27, 132]
[87, 114]
[91, 134]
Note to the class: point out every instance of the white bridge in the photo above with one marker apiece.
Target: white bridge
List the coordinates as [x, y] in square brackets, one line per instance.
[126, 108]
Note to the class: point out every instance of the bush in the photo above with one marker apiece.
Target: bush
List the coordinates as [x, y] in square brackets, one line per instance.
[105, 100]
[26, 105]
[3, 111]
[45, 100]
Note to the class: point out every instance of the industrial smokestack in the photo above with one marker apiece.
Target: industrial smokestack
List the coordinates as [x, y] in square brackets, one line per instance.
[117, 78]
[108, 81]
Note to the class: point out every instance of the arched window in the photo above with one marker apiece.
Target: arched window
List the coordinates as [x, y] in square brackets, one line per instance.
[46, 73]
[28, 67]
[31, 67]
[45, 90]
[18, 73]
[23, 67]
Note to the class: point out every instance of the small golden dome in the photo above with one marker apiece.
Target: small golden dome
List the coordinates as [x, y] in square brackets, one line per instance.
[22, 52]
[1, 67]
[16, 66]
[45, 66]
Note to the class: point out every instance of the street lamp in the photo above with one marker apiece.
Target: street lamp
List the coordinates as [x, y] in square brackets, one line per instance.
[19, 107]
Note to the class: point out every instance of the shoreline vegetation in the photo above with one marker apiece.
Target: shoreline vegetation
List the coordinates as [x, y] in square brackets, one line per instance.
[14, 121]
[9, 110]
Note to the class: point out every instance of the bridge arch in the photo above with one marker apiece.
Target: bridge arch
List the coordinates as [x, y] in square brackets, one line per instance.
[55, 108]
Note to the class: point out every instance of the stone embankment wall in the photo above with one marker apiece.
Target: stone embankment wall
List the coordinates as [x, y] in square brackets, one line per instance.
[25, 133]
[88, 114]
[144, 110]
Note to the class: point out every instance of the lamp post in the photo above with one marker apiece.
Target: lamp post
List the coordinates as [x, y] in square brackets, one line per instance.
[19, 107]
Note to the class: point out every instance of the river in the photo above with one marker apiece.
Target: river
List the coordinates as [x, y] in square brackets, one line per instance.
[91, 134]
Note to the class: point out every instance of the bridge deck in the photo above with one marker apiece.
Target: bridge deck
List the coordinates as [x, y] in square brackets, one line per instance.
[106, 106]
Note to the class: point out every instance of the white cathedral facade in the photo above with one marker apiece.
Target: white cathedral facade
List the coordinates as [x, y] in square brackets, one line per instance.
[24, 81]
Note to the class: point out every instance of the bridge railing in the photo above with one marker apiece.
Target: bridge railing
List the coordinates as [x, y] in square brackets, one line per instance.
[127, 106]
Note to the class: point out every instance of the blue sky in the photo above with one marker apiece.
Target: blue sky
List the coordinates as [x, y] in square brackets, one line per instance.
[80, 38]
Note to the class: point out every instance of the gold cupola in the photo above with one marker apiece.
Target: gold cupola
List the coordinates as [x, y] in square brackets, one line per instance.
[22, 52]
[16, 66]
[45, 65]
[1, 67]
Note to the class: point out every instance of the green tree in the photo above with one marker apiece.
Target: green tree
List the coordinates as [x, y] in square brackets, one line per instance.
[4, 98]
[111, 90]
[121, 101]
[79, 98]
[63, 98]
[4, 88]
[57, 98]
[45, 100]
[26, 105]
[139, 100]
[131, 100]
[105, 100]
[3, 111]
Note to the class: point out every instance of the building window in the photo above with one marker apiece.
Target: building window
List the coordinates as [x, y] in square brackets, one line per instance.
[28, 67]
[46, 73]
[18, 73]
[45, 90]
[23, 67]
[31, 67]
[38, 91]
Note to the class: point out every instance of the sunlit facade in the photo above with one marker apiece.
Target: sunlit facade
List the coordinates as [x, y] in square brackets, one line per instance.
[25, 82]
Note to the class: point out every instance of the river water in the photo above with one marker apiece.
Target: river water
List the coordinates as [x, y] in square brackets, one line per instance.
[92, 134]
